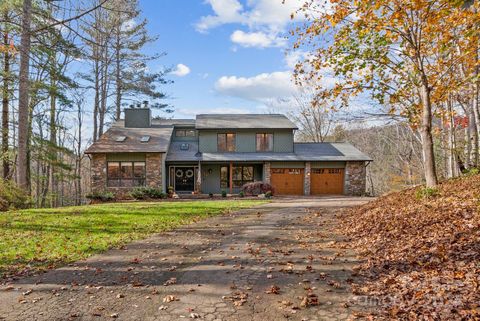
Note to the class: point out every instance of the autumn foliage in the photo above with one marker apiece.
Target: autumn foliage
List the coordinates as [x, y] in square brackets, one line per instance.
[422, 251]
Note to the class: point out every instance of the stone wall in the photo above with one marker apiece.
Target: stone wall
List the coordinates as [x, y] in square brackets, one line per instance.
[153, 163]
[98, 172]
[355, 178]
[98, 164]
[267, 172]
[307, 179]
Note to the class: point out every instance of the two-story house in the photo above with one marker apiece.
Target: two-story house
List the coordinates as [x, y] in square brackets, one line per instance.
[220, 152]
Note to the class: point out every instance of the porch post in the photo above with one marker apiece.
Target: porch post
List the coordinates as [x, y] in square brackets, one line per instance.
[231, 178]
[199, 179]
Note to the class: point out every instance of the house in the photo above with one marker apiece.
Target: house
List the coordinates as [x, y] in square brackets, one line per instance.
[218, 152]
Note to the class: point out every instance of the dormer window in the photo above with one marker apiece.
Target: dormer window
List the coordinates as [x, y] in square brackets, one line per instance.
[120, 139]
[145, 139]
[264, 142]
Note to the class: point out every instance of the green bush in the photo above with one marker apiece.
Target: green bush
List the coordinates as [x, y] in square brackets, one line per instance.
[426, 192]
[268, 194]
[210, 195]
[471, 171]
[145, 192]
[224, 193]
[103, 196]
[241, 194]
[12, 197]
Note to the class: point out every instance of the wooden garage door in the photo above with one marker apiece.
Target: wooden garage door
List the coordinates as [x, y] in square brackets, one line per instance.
[326, 181]
[287, 181]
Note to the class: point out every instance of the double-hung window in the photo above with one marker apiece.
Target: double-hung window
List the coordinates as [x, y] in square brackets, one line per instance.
[226, 142]
[125, 174]
[264, 142]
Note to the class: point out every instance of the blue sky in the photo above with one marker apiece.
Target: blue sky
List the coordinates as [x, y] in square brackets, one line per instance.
[231, 53]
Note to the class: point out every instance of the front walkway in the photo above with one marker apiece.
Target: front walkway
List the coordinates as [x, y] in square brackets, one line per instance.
[275, 262]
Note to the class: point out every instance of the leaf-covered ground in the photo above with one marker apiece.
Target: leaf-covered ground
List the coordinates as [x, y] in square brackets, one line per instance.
[422, 255]
[44, 238]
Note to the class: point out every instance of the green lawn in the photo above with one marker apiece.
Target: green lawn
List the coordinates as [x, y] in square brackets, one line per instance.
[42, 238]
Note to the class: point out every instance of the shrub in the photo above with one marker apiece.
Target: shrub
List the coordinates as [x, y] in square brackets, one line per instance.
[144, 192]
[426, 192]
[268, 194]
[471, 171]
[241, 194]
[12, 197]
[224, 193]
[102, 196]
[210, 195]
[257, 188]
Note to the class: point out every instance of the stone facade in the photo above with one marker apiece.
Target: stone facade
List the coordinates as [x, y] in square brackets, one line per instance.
[98, 165]
[355, 178]
[98, 172]
[307, 179]
[267, 172]
[153, 163]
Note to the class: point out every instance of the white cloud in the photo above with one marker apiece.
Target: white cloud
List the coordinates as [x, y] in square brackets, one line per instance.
[256, 39]
[266, 20]
[181, 70]
[260, 88]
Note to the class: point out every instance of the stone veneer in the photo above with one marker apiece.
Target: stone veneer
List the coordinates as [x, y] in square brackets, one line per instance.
[307, 178]
[267, 172]
[355, 178]
[98, 172]
[153, 163]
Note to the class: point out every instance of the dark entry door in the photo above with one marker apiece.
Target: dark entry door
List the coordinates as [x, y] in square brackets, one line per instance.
[184, 179]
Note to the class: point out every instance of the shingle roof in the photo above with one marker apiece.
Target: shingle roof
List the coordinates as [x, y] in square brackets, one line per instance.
[158, 143]
[176, 153]
[243, 121]
[303, 152]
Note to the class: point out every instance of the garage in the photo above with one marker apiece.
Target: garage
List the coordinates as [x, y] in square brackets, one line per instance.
[326, 181]
[287, 181]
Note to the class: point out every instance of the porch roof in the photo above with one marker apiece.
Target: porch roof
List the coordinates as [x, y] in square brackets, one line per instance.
[303, 152]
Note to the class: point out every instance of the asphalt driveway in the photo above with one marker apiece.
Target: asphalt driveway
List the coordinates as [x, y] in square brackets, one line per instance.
[282, 260]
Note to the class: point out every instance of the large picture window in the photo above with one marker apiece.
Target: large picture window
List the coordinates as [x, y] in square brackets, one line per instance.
[240, 176]
[125, 174]
[264, 142]
[226, 142]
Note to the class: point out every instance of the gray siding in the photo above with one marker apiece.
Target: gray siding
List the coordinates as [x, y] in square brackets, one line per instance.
[246, 140]
[283, 141]
[287, 165]
[207, 141]
[328, 164]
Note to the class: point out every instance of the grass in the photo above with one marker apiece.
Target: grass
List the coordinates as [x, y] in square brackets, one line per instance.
[37, 239]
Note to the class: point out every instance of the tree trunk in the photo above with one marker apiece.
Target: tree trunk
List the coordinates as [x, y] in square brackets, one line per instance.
[118, 94]
[426, 135]
[23, 104]
[53, 139]
[5, 107]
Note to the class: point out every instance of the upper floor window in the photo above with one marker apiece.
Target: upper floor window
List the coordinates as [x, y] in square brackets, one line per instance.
[226, 142]
[185, 133]
[264, 142]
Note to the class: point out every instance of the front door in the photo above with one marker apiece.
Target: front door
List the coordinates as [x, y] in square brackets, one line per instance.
[184, 179]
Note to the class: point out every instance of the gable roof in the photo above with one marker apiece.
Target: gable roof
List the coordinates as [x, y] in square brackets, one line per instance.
[108, 143]
[243, 121]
